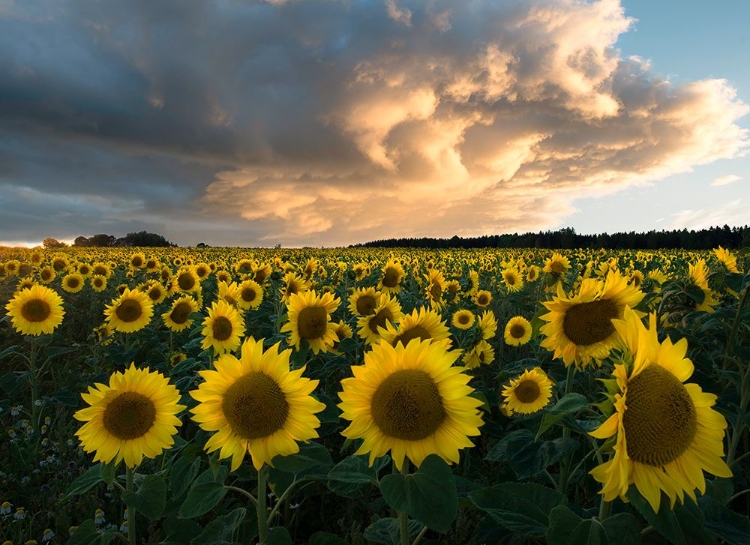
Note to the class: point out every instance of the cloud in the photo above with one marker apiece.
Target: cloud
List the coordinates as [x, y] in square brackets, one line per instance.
[725, 180]
[332, 122]
[731, 213]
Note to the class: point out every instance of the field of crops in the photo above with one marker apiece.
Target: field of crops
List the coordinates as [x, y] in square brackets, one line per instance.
[354, 396]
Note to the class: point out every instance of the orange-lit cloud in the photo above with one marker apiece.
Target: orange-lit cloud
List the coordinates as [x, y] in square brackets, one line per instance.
[330, 122]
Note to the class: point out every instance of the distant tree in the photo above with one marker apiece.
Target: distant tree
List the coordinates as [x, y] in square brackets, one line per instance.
[101, 241]
[82, 242]
[144, 238]
[50, 242]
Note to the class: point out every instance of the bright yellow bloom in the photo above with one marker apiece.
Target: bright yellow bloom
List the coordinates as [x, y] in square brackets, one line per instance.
[309, 318]
[528, 393]
[131, 312]
[410, 401]
[35, 311]
[223, 328]
[666, 432]
[517, 331]
[256, 404]
[133, 417]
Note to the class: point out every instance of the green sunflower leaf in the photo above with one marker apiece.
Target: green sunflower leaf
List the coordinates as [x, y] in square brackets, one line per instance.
[429, 495]
[523, 508]
[150, 498]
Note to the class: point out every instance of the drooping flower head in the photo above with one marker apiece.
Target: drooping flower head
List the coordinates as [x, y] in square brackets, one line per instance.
[666, 433]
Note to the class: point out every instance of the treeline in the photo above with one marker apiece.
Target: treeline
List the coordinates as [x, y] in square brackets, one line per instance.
[141, 238]
[567, 238]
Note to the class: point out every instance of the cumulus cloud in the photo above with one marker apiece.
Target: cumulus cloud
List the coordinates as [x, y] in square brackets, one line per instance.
[332, 122]
[726, 180]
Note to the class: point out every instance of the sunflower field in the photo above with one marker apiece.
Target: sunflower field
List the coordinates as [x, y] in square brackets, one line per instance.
[369, 396]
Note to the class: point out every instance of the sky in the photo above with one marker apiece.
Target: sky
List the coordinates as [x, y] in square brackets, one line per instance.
[330, 122]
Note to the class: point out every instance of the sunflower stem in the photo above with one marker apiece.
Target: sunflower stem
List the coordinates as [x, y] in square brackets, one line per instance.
[605, 508]
[261, 507]
[420, 535]
[33, 380]
[735, 326]
[129, 474]
[565, 463]
[403, 517]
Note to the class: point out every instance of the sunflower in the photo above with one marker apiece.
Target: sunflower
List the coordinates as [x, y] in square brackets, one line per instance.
[261, 271]
[222, 328]
[364, 301]
[47, 275]
[155, 291]
[361, 271]
[343, 331]
[256, 405]
[726, 258]
[463, 319]
[453, 287]
[229, 293]
[72, 282]
[528, 393]
[557, 264]
[410, 401]
[12, 266]
[177, 317]
[202, 270]
[133, 417]
[517, 331]
[513, 279]
[636, 278]
[99, 282]
[488, 325]
[666, 432]
[423, 324]
[137, 261]
[699, 276]
[580, 327]
[393, 275]
[153, 265]
[481, 354]
[102, 269]
[386, 313]
[473, 286]
[60, 263]
[25, 283]
[35, 311]
[131, 312]
[293, 285]
[223, 276]
[244, 266]
[482, 298]
[250, 294]
[435, 288]
[310, 319]
[532, 273]
[186, 281]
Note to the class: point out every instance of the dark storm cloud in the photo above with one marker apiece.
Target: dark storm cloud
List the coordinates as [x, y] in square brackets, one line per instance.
[329, 122]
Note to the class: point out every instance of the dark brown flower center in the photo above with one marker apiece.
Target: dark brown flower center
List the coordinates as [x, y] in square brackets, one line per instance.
[249, 294]
[391, 277]
[129, 310]
[255, 406]
[129, 416]
[517, 331]
[408, 405]
[527, 391]
[180, 313]
[589, 323]
[416, 332]
[221, 328]
[186, 281]
[312, 323]
[36, 310]
[383, 316]
[73, 282]
[366, 305]
[660, 420]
